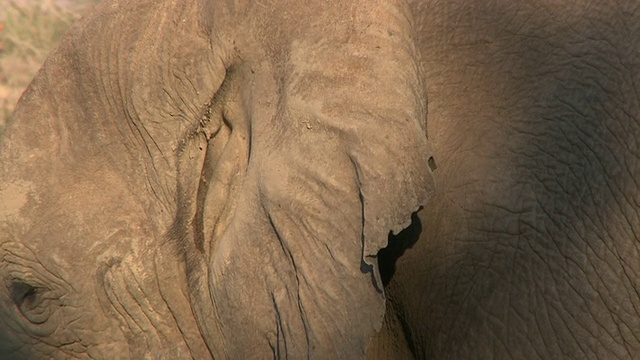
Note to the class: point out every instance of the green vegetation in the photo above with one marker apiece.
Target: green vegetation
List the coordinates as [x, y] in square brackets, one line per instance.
[29, 29]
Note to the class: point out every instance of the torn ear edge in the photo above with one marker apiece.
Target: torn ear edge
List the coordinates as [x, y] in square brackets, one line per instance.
[382, 269]
[390, 199]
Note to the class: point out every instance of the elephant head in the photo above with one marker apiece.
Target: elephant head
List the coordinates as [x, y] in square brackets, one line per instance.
[211, 179]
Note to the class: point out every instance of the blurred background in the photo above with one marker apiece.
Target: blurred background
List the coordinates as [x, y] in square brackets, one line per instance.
[29, 30]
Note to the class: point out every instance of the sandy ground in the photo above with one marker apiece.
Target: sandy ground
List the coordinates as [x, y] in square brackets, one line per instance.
[29, 30]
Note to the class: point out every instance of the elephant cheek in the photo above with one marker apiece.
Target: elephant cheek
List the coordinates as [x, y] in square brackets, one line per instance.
[290, 284]
[146, 323]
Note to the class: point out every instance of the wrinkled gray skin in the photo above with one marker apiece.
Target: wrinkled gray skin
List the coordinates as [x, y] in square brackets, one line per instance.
[530, 246]
[211, 179]
[216, 179]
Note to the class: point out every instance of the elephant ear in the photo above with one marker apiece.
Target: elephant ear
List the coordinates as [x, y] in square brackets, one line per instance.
[300, 188]
[356, 143]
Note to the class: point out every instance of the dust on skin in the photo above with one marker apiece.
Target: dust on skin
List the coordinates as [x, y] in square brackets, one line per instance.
[13, 197]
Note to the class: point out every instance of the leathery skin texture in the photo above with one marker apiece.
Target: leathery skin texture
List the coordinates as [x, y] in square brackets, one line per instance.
[247, 179]
[209, 179]
[529, 248]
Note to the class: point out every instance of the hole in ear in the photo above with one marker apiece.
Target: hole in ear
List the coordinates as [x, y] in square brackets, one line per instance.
[396, 247]
[432, 163]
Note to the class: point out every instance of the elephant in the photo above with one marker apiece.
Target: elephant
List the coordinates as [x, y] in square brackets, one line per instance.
[266, 179]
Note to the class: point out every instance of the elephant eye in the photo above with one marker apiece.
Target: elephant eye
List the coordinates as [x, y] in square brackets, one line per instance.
[29, 300]
[23, 294]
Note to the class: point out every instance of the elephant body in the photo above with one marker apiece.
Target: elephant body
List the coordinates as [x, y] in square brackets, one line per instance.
[231, 179]
[529, 247]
